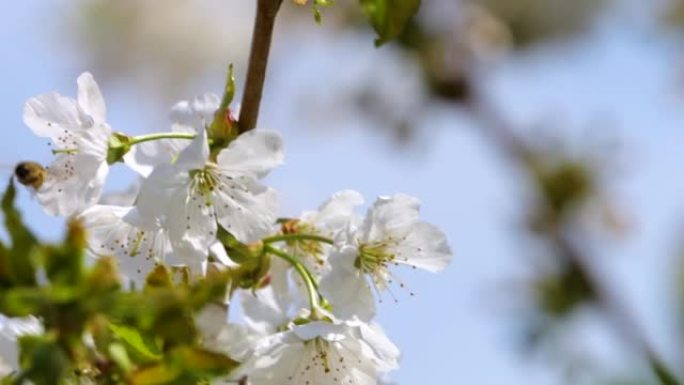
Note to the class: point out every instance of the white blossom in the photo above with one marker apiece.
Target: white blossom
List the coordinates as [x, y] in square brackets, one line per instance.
[283, 349]
[197, 113]
[331, 218]
[390, 235]
[191, 195]
[79, 137]
[187, 117]
[322, 353]
[120, 232]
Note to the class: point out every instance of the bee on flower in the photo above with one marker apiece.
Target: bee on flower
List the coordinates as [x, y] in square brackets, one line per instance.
[79, 135]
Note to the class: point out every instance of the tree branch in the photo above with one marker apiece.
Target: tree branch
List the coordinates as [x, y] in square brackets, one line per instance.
[502, 133]
[264, 23]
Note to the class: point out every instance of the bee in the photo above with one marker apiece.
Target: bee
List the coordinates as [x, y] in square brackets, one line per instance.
[30, 174]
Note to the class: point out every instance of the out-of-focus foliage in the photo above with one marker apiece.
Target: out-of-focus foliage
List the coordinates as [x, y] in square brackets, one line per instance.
[563, 190]
[534, 21]
[389, 17]
[162, 47]
[448, 42]
[94, 330]
[674, 14]
[448, 37]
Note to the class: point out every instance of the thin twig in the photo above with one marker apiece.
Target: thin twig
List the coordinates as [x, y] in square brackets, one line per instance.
[264, 22]
[499, 130]
[616, 310]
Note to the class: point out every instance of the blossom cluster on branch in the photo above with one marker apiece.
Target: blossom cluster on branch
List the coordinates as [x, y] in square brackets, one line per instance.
[306, 284]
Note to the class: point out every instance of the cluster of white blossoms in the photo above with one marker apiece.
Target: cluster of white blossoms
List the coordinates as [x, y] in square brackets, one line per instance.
[308, 305]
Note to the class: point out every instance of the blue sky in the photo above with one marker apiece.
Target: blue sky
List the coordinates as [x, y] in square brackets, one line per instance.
[621, 82]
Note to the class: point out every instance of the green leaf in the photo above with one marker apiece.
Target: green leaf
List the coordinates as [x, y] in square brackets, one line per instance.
[154, 375]
[142, 344]
[64, 263]
[389, 17]
[119, 355]
[19, 262]
[43, 361]
[184, 365]
[202, 362]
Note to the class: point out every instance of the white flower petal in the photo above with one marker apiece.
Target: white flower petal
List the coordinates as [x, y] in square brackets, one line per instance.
[245, 208]
[156, 192]
[218, 251]
[197, 113]
[254, 153]
[192, 227]
[125, 197]
[276, 364]
[319, 353]
[347, 289]
[386, 353]
[49, 115]
[144, 157]
[425, 247]
[264, 310]
[194, 156]
[165, 197]
[336, 213]
[137, 250]
[10, 330]
[395, 216]
[233, 340]
[90, 98]
[211, 320]
[80, 137]
[72, 184]
[328, 331]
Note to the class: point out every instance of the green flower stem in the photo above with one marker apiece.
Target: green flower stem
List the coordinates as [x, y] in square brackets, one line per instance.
[297, 237]
[161, 135]
[311, 286]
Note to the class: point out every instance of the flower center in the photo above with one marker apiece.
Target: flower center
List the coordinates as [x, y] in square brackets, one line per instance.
[204, 182]
[374, 258]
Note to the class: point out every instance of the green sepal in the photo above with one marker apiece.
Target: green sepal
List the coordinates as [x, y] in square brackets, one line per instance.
[301, 321]
[118, 145]
[223, 129]
[237, 251]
